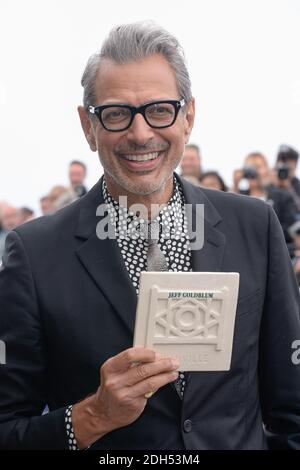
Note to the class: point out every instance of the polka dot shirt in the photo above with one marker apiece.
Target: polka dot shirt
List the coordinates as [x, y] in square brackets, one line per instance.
[173, 239]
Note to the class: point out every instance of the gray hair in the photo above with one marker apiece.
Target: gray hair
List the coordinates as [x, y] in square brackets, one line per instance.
[132, 42]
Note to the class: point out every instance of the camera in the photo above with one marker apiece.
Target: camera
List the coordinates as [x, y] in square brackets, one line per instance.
[249, 173]
[283, 172]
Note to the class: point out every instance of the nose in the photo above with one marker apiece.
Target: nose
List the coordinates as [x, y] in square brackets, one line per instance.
[139, 132]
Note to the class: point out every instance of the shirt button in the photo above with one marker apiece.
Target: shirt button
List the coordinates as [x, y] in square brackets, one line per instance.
[187, 425]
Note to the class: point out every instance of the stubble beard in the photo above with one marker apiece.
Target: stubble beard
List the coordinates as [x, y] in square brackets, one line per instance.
[132, 187]
[143, 189]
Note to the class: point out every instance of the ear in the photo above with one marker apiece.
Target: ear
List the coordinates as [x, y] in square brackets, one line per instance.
[189, 119]
[87, 128]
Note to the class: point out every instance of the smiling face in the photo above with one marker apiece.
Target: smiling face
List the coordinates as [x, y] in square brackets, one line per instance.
[140, 160]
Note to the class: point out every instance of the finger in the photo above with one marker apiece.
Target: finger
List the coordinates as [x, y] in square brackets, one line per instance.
[143, 371]
[125, 359]
[152, 384]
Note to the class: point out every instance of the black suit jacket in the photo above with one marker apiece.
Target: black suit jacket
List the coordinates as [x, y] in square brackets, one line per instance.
[67, 304]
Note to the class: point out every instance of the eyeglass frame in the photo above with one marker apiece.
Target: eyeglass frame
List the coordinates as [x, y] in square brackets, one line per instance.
[97, 110]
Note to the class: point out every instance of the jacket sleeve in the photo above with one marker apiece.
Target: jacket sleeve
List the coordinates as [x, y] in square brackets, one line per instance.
[279, 376]
[23, 375]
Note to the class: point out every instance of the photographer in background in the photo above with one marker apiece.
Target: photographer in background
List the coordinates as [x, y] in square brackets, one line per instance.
[284, 176]
[255, 180]
[77, 175]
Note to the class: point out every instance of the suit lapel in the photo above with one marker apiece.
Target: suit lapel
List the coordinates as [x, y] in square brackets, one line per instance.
[103, 261]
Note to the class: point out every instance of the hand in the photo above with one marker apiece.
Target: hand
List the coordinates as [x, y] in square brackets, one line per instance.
[125, 379]
[120, 398]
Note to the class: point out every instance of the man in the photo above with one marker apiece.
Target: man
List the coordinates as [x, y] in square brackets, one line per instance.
[77, 175]
[10, 217]
[68, 296]
[287, 160]
[259, 185]
[191, 162]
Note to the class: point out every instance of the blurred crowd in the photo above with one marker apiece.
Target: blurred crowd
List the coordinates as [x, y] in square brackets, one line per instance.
[57, 198]
[277, 185]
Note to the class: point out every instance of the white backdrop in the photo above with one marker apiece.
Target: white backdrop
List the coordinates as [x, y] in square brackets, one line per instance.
[243, 56]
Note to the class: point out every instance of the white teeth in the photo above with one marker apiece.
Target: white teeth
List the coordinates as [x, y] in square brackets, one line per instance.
[142, 158]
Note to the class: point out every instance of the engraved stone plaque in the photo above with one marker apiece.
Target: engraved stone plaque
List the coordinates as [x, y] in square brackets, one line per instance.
[188, 315]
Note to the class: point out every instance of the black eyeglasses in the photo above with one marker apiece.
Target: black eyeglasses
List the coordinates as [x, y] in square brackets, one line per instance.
[119, 117]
